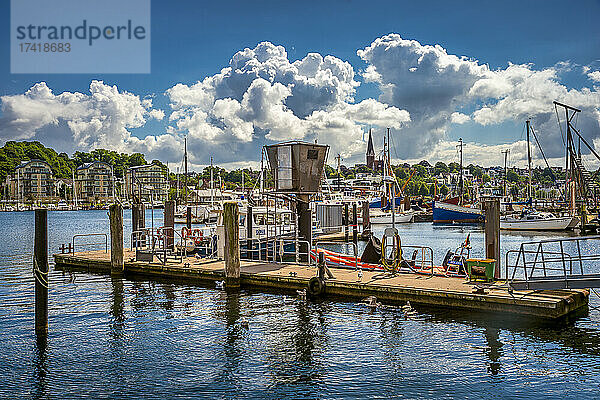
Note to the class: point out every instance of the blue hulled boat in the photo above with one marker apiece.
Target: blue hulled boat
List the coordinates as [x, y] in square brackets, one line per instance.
[452, 213]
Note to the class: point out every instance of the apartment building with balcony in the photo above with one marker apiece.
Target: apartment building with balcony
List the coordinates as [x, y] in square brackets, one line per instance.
[31, 181]
[146, 183]
[94, 183]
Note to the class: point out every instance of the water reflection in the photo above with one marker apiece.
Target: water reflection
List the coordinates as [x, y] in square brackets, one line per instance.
[233, 349]
[494, 349]
[41, 366]
[564, 331]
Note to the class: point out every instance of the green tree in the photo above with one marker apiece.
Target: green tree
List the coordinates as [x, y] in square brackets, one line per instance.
[512, 176]
[440, 168]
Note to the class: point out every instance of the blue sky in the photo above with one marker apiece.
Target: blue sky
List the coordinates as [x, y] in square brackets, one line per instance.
[192, 40]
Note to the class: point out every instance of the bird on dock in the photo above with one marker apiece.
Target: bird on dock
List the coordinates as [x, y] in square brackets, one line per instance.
[220, 284]
[301, 294]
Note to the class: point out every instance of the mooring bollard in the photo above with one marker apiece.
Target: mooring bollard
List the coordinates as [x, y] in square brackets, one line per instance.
[115, 216]
[40, 271]
[492, 232]
[169, 224]
[232, 244]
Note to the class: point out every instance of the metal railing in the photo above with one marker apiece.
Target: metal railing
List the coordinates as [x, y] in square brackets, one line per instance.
[93, 243]
[553, 261]
[158, 242]
[273, 250]
[421, 258]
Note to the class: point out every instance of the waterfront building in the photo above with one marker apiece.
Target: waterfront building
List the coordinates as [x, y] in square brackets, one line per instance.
[146, 183]
[31, 181]
[94, 183]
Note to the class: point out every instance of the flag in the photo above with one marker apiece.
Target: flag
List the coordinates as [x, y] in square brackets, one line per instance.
[467, 241]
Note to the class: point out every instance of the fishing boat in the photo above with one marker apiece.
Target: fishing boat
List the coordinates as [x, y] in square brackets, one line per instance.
[453, 213]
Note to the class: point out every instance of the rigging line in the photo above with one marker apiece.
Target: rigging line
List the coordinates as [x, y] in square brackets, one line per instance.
[586, 143]
[394, 145]
[542, 151]
[522, 132]
[562, 136]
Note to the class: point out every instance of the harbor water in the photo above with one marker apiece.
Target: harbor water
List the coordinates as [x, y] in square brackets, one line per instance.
[111, 337]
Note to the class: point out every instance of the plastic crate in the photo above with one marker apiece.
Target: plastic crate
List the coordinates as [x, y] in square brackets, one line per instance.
[481, 269]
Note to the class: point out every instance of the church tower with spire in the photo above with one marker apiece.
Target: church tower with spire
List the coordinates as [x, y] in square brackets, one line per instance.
[370, 153]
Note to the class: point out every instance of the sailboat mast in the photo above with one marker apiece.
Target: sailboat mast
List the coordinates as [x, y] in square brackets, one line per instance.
[212, 195]
[392, 185]
[529, 188]
[185, 161]
[460, 185]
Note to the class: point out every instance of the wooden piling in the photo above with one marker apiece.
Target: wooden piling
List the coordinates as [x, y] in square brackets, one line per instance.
[115, 216]
[354, 223]
[138, 220]
[169, 224]
[492, 232]
[366, 219]
[40, 271]
[304, 226]
[346, 222]
[249, 234]
[232, 244]
[188, 217]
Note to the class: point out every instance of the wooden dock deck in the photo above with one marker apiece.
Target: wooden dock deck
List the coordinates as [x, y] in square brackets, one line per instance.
[419, 289]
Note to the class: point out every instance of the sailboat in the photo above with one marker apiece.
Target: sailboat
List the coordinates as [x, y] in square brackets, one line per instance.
[445, 212]
[529, 219]
[379, 216]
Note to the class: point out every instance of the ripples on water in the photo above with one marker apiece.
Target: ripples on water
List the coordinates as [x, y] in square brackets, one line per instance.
[116, 338]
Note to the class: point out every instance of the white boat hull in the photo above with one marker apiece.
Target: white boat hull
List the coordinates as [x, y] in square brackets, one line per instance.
[550, 224]
[387, 218]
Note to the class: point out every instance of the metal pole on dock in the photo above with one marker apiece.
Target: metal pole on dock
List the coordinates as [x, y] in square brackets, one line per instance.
[115, 217]
[231, 217]
[40, 271]
[366, 219]
[169, 223]
[354, 223]
[492, 232]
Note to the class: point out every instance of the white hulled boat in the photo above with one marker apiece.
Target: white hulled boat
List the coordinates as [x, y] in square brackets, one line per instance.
[532, 220]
